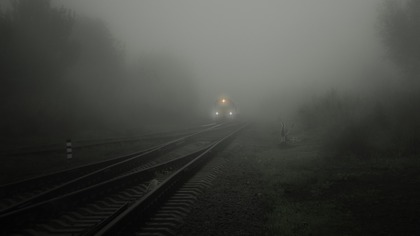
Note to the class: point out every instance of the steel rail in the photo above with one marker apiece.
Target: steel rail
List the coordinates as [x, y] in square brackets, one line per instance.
[51, 207]
[144, 207]
[91, 143]
[34, 181]
[98, 175]
[6, 188]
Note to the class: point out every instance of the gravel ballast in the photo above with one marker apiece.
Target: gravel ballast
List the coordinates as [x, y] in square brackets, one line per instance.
[235, 204]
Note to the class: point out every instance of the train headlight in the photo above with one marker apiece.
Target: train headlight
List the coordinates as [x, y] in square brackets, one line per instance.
[230, 113]
[217, 113]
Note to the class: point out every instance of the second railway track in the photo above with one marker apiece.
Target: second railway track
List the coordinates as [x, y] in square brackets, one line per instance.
[96, 204]
[17, 194]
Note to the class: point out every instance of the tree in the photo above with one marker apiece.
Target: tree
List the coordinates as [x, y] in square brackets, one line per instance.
[97, 78]
[36, 50]
[400, 32]
[40, 39]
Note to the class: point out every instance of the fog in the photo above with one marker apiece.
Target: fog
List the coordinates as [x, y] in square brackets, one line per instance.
[83, 67]
[251, 51]
[307, 112]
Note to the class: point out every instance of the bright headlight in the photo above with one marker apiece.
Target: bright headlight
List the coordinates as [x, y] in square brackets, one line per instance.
[230, 113]
[217, 113]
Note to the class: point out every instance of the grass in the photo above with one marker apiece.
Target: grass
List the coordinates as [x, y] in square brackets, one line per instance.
[312, 193]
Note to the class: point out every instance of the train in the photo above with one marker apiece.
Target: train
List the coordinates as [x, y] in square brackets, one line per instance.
[225, 109]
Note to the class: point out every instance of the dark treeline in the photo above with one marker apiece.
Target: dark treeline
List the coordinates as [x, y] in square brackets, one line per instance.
[64, 75]
[386, 120]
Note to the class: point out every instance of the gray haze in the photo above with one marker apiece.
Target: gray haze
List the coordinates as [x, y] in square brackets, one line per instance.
[259, 53]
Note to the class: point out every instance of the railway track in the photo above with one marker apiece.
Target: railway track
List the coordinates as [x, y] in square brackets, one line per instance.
[17, 194]
[83, 144]
[103, 201]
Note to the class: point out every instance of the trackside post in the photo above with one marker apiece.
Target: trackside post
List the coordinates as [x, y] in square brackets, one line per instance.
[69, 149]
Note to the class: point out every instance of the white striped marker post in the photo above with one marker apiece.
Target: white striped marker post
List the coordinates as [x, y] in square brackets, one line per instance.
[69, 149]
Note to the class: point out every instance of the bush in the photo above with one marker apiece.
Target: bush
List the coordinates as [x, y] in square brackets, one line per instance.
[348, 127]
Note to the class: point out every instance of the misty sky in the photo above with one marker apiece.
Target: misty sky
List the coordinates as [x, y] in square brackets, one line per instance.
[247, 49]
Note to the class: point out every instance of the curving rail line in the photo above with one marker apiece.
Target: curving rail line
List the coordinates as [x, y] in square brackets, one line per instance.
[147, 205]
[18, 194]
[103, 201]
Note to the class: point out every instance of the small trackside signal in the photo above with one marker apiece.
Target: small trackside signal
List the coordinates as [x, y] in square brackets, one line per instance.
[69, 149]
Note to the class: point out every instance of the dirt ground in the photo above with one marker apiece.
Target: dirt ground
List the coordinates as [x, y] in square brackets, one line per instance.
[297, 189]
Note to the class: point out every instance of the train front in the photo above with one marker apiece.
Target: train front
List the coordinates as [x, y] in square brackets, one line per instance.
[224, 110]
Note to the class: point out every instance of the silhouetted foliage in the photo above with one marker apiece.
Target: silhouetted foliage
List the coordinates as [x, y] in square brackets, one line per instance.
[65, 76]
[36, 51]
[387, 126]
[401, 34]
[326, 110]
[384, 125]
[96, 80]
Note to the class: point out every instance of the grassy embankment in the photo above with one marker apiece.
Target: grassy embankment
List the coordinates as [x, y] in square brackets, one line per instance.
[313, 193]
